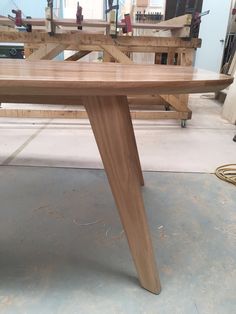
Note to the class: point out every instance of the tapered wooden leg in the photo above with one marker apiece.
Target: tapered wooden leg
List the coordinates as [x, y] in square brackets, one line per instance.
[130, 134]
[111, 125]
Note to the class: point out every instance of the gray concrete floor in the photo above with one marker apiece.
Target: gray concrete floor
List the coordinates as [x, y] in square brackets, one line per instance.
[63, 250]
[62, 247]
[163, 146]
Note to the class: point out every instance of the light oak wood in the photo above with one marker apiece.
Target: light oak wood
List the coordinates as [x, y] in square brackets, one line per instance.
[183, 21]
[91, 23]
[28, 50]
[124, 48]
[118, 55]
[47, 52]
[187, 57]
[136, 113]
[107, 57]
[182, 33]
[171, 56]
[180, 21]
[87, 39]
[111, 124]
[180, 102]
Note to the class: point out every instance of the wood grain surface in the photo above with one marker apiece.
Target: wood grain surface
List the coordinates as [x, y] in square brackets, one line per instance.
[110, 121]
[52, 78]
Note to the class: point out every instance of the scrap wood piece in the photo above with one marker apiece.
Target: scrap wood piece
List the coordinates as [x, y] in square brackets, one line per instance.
[47, 52]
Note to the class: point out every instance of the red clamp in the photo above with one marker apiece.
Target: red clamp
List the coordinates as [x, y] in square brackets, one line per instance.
[128, 25]
[79, 16]
[18, 18]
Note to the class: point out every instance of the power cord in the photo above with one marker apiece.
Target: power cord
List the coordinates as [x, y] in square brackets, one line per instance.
[227, 173]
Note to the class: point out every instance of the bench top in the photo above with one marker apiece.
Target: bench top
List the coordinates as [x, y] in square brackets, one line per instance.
[55, 78]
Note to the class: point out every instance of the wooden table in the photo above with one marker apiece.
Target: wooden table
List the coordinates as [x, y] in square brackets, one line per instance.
[104, 89]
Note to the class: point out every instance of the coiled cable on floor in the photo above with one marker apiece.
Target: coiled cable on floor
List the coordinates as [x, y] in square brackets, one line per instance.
[227, 173]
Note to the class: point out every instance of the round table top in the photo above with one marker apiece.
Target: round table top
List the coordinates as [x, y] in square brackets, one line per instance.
[55, 78]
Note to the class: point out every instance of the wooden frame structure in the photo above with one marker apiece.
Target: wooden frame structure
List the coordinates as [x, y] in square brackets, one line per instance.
[39, 45]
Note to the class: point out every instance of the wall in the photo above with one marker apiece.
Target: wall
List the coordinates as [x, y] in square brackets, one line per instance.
[91, 9]
[28, 7]
[212, 30]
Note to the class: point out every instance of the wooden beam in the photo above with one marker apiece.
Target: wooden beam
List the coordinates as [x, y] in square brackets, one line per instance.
[187, 57]
[107, 57]
[85, 39]
[158, 115]
[68, 38]
[34, 113]
[179, 21]
[27, 51]
[179, 103]
[81, 114]
[154, 42]
[183, 32]
[157, 26]
[7, 29]
[125, 48]
[91, 23]
[150, 102]
[78, 55]
[47, 52]
[58, 22]
[171, 56]
[118, 55]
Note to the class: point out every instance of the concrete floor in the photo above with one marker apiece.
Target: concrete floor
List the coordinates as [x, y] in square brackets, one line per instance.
[62, 247]
[63, 250]
[203, 146]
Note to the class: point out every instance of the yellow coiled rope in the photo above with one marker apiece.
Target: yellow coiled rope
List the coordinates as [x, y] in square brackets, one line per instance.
[227, 173]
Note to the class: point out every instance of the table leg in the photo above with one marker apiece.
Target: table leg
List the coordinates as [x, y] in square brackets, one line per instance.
[110, 120]
[123, 102]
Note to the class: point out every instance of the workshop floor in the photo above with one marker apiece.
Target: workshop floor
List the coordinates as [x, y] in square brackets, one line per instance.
[62, 246]
[205, 144]
[63, 250]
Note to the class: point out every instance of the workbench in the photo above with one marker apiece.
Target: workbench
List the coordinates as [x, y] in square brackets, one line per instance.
[104, 89]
